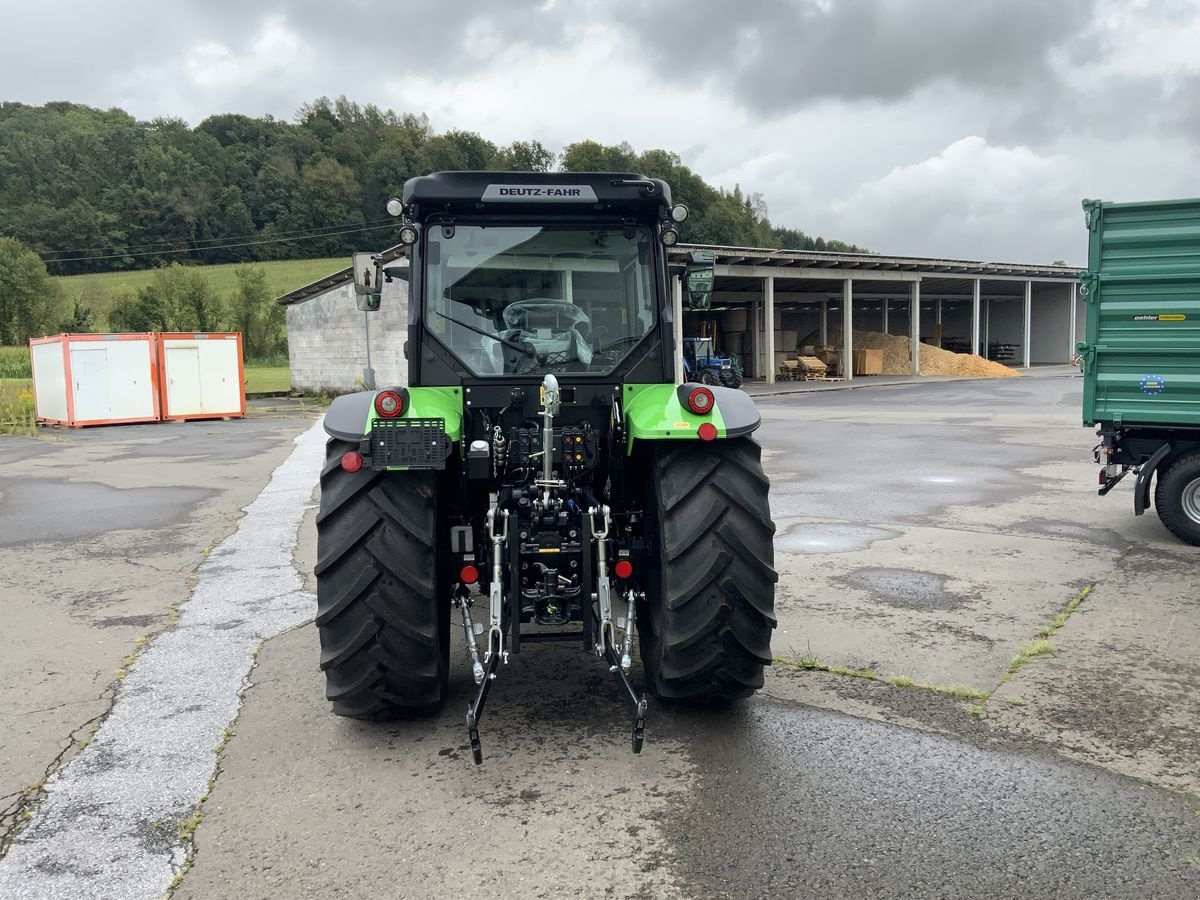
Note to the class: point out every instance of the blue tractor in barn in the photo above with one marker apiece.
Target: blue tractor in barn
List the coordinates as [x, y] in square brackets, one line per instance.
[700, 364]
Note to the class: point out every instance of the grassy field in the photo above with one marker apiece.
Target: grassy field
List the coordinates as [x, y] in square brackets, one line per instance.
[282, 276]
[14, 362]
[16, 406]
[268, 379]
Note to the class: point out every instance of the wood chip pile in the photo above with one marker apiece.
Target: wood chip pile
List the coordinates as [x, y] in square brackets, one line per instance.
[897, 358]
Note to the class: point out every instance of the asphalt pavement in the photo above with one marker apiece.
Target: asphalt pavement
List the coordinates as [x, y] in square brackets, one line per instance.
[927, 535]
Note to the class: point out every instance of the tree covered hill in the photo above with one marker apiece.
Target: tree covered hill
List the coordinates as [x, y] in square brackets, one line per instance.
[95, 190]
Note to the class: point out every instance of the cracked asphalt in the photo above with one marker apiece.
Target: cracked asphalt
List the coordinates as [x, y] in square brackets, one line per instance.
[926, 534]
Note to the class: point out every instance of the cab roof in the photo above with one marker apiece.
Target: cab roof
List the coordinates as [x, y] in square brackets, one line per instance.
[543, 193]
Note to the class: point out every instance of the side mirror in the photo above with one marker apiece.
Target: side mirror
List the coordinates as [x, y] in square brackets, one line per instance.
[698, 278]
[368, 280]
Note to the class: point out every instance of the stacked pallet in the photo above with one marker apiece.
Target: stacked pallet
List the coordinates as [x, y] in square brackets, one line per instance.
[802, 368]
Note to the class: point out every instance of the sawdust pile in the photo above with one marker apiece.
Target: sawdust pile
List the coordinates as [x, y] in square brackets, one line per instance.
[897, 358]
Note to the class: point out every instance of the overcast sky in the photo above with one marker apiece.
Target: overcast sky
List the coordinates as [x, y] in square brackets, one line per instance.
[961, 128]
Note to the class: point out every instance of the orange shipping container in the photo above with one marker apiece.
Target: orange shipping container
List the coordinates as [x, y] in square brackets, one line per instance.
[201, 376]
[95, 379]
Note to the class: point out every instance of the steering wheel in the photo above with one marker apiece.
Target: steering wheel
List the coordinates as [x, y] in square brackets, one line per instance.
[534, 307]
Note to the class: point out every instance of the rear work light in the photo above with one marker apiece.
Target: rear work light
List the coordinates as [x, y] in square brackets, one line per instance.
[389, 404]
[700, 401]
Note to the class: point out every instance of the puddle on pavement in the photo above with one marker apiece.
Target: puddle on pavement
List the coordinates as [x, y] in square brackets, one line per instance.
[906, 588]
[826, 537]
[68, 510]
[1087, 533]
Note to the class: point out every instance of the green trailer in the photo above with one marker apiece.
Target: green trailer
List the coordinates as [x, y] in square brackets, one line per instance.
[1141, 361]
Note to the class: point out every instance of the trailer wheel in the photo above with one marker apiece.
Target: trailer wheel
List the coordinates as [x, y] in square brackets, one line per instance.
[1177, 497]
[706, 626]
[383, 621]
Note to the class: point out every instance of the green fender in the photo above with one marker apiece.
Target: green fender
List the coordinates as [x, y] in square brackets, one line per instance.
[658, 412]
[349, 416]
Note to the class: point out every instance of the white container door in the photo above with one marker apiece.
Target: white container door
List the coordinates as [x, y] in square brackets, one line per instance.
[221, 390]
[89, 372]
[183, 381]
[130, 383]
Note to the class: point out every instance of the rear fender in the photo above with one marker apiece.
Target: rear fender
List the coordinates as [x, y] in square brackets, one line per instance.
[1141, 487]
[349, 416]
[659, 412]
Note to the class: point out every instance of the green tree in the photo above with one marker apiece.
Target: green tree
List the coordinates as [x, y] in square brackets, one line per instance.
[327, 198]
[590, 156]
[458, 151]
[132, 312]
[30, 301]
[253, 311]
[523, 156]
[179, 299]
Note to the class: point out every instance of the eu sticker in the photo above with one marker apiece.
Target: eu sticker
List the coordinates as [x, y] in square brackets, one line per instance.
[1153, 384]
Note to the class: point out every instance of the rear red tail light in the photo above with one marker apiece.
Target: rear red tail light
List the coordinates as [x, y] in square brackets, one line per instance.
[389, 404]
[707, 431]
[352, 461]
[468, 574]
[623, 568]
[700, 401]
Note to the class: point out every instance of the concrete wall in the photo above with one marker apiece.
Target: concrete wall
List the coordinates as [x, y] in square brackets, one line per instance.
[899, 316]
[1006, 325]
[1051, 325]
[868, 314]
[327, 347]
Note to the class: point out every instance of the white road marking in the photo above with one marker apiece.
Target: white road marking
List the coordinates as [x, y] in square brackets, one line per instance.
[108, 826]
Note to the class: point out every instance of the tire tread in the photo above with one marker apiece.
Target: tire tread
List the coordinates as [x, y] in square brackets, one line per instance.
[710, 635]
[383, 638]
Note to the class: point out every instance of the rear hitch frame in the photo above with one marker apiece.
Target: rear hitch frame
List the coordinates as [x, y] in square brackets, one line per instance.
[475, 707]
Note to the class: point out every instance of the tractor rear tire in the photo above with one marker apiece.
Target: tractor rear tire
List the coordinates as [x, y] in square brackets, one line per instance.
[706, 625]
[1177, 497]
[383, 621]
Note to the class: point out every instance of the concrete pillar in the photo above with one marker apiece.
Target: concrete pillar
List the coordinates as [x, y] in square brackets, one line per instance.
[1074, 336]
[755, 338]
[914, 305]
[975, 317]
[848, 329]
[677, 326]
[769, 325]
[825, 322]
[987, 325]
[885, 315]
[1027, 348]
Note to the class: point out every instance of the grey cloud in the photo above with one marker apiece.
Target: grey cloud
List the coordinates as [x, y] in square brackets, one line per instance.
[90, 54]
[783, 54]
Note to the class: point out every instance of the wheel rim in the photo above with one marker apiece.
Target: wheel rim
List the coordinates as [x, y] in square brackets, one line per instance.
[1190, 500]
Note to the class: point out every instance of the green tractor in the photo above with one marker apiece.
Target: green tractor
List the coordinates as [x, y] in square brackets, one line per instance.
[542, 476]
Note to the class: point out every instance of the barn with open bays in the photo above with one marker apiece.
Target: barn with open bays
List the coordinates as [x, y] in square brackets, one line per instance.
[1020, 315]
